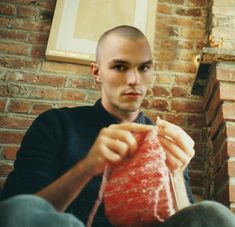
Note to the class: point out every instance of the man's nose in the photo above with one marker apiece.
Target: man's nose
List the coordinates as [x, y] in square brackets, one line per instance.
[133, 77]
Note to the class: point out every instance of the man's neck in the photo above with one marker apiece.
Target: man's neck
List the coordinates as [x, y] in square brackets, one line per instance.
[121, 115]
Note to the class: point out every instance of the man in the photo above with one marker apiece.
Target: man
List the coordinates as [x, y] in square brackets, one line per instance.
[65, 151]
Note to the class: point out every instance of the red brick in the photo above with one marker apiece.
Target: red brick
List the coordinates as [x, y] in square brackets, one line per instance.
[185, 22]
[18, 63]
[231, 192]
[186, 44]
[165, 55]
[14, 90]
[5, 168]
[184, 80]
[18, 106]
[162, 78]
[216, 123]
[37, 79]
[227, 91]
[189, 12]
[38, 51]
[10, 48]
[43, 93]
[212, 106]
[178, 119]
[12, 122]
[181, 91]
[160, 104]
[197, 3]
[161, 91]
[164, 9]
[86, 83]
[221, 178]
[200, 44]
[167, 31]
[59, 67]
[4, 22]
[228, 110]
[11, 137]
[27, 12]
[72, 95]
[230, 130]
[186, 105]
[231, 168]
[196, 121]
[198, 136]
[6, 9]
[9, 153]
[13, 35]
[48, 4]
[39, 108]
[226, 74]
[38, 38]
[165, 44]
[219, 138]
[28, 25]
[231, 148]
[2, 105]
[194, 34]
[212, 87]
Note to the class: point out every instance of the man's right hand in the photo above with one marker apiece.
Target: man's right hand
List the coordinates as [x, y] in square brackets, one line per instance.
[112, 145]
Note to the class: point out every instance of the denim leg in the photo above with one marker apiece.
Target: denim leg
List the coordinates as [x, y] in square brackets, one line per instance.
[33, 211]
[204, 214]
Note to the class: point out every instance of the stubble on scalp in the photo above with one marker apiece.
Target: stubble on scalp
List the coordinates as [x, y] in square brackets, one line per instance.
[124, 31]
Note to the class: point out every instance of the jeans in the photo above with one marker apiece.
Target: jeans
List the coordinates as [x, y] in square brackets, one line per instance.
[33, 211]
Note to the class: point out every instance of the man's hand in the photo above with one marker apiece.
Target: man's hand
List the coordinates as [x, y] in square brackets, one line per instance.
[178, 144]
[113, 144]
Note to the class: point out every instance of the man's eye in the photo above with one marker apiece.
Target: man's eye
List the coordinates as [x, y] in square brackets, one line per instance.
[144, 68]
[120, 68]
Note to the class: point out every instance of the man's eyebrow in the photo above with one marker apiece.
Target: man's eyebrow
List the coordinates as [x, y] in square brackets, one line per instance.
[149, 62]
[120, 61]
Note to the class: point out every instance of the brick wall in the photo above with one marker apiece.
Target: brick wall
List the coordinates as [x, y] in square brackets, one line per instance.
[29, 84]
[219, 103]
[220, 108]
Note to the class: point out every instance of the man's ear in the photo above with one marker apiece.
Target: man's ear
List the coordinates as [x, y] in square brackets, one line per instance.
[95, 72]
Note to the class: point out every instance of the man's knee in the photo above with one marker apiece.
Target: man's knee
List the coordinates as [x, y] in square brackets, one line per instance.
[213, 212]
[30, 210]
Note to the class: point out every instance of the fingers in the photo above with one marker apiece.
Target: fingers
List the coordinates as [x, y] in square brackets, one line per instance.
[178, 144]
[178, 135]
[132, 127]
[177, 159]
[113, 144]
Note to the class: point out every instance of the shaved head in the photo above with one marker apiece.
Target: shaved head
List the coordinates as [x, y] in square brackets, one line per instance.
[124, 31]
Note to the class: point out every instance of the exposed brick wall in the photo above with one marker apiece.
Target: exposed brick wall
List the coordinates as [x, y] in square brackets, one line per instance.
[29, 84]
[219, 105]
[220, 108]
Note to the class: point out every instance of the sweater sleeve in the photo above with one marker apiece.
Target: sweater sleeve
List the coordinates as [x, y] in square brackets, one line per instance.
[37, 160]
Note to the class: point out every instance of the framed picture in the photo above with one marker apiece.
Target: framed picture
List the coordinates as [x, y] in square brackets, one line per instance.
[78, 24]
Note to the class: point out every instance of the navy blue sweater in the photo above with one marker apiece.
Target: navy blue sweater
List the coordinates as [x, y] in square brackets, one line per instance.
[57, 140]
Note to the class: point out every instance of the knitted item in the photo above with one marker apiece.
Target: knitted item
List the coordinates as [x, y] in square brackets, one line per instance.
[138, 191]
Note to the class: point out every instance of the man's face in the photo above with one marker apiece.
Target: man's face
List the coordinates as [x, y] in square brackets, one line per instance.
[125, 72]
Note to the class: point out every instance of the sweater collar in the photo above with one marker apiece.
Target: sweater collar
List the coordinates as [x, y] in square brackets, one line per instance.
[103, 116]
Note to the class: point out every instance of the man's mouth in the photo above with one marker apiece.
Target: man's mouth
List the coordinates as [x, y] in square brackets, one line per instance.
[133, 92]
